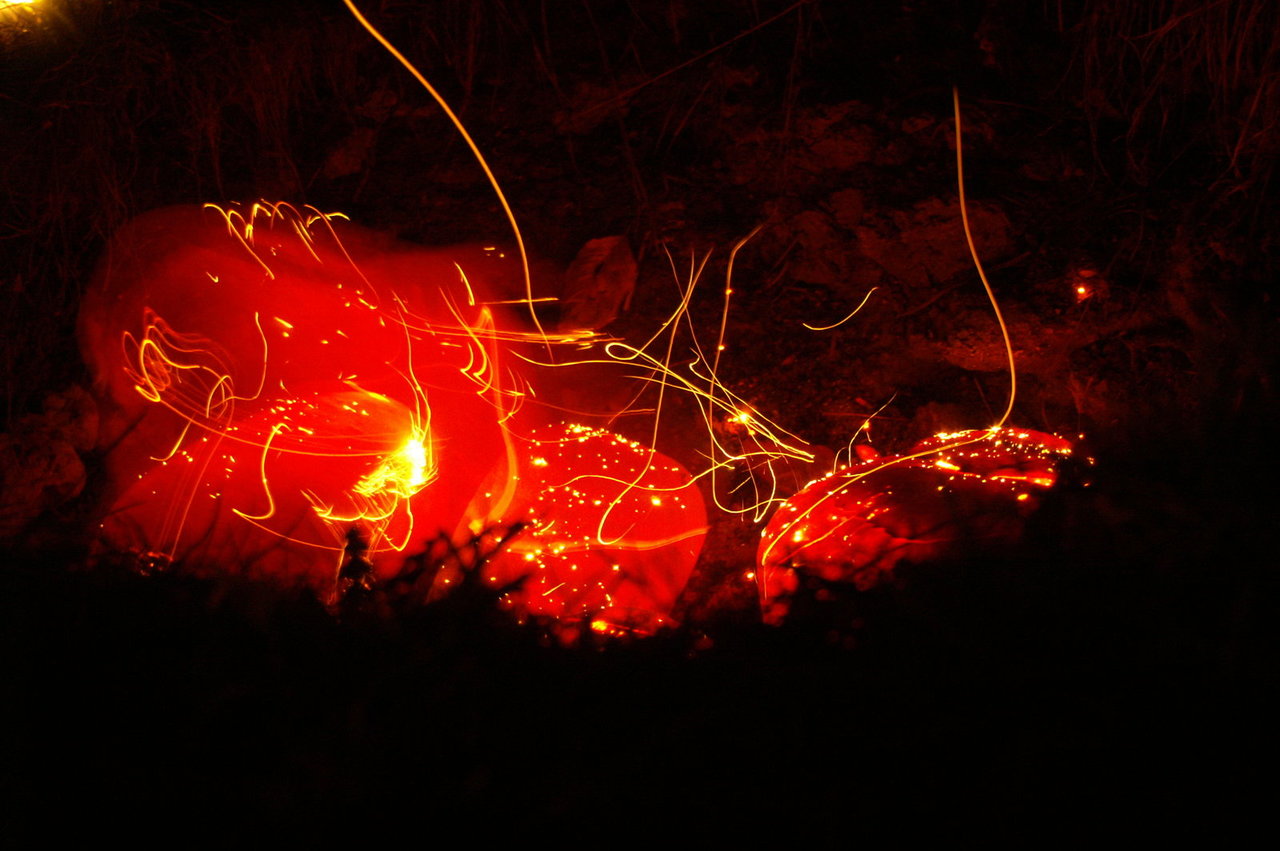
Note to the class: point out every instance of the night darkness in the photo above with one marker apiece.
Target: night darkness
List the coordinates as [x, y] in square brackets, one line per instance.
[1110, 667]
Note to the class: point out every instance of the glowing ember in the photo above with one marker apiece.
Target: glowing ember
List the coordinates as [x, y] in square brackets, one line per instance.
[969, 489]
[272, 390]
[613, 531]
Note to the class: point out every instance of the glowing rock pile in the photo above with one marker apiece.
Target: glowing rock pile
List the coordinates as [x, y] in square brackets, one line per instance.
[948, 495]
[277, 380]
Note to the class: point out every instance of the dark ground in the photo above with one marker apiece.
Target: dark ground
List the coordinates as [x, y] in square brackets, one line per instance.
[1116, 667]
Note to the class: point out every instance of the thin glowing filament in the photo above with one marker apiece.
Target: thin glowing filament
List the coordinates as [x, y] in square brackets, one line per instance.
[977, 263]
[861, 305]
[457, 122]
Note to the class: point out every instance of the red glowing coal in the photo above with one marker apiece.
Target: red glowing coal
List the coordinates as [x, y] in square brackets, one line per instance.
[276, 380]
[948, 495]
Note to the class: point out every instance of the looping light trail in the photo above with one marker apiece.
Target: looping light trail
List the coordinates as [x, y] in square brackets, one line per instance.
[391, 399]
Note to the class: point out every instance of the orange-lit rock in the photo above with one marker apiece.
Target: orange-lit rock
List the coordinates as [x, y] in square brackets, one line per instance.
[273, 379]
[953, 493]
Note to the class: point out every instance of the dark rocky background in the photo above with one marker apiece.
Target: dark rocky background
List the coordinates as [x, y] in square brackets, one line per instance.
[1116, 666]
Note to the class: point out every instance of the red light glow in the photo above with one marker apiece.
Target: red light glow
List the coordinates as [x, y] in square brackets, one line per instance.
[274, 378]
[969, 489]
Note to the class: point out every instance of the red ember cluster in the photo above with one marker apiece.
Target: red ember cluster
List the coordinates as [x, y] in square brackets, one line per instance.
[279, 383]
[949, 494]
